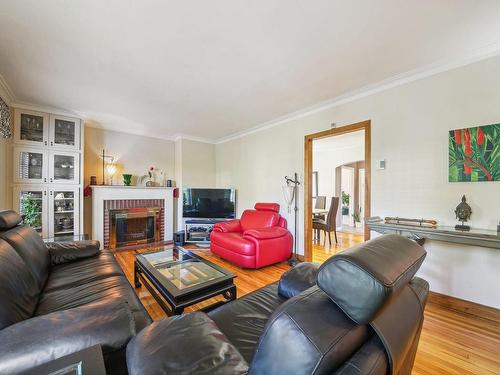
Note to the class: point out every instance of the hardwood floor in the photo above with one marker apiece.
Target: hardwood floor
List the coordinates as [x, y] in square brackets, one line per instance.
[454, 339]
[322, 250]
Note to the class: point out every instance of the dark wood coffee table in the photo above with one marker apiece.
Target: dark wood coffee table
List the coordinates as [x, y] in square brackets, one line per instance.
[178, 278]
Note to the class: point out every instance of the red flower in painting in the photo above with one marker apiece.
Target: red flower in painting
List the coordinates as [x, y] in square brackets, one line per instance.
[467, 151]
[467, 148]
[480, 136]
[458, 136]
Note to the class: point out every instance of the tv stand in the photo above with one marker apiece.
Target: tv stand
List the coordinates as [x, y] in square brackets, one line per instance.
[198, 230]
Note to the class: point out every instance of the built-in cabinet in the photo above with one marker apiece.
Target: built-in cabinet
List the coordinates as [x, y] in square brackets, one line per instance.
[48, 168]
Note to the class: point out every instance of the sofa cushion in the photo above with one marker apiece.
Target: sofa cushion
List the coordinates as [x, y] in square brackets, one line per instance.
[82, 271]
[64, 252]
[93, 291]
[29, 245]
[297, 279]
[183, 344]
[42, 339]
[244, 320]
[380, 267]
[9, 219]
[307, 334]
[234, 242]
[18, 288]
[251, 219]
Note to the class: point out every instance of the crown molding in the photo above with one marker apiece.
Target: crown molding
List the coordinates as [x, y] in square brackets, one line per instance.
[47, 109]
[5, 91]
[188, 137]
[389, 83]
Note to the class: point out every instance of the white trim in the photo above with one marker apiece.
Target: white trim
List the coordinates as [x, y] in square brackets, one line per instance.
[5, 91]
[46, 109]
[394, 81]
[188, 137]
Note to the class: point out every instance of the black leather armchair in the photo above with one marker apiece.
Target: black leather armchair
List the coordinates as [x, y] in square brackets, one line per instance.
[361, 312]
[59, 298]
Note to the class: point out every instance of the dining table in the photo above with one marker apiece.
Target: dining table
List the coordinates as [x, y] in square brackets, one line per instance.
[318, 213]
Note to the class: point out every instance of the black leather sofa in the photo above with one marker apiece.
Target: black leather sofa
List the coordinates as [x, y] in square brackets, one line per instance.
[361, 312]
[56, 299]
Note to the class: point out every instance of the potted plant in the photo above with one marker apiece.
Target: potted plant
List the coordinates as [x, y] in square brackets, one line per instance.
[356, 216]
[345, 203]
[31, 211]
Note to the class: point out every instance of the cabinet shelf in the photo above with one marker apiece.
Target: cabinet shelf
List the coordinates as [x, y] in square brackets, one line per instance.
[64, 232]
[47, 163]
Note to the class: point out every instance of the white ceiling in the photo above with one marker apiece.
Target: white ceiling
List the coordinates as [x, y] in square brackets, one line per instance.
[215, 68]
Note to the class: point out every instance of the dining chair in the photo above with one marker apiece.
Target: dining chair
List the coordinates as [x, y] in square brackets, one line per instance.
[330, 224]
[319, 204]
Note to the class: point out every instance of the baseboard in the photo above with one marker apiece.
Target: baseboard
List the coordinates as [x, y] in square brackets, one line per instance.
[465, 307]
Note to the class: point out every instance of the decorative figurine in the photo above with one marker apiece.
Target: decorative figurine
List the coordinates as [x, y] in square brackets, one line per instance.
[462, 213]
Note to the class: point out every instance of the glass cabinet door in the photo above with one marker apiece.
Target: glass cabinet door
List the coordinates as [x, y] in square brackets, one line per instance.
[30, 165]
[31, 202]
[64, 132]
[64, 212]
[31, 128]
[64, 167]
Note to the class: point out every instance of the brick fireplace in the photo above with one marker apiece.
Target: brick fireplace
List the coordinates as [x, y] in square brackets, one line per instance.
[151, 212]
[139, 221]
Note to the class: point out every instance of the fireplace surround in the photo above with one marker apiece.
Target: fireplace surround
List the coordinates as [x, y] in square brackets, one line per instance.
[106, 199]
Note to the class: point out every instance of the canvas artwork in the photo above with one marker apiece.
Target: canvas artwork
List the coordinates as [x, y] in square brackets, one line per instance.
[474, 154]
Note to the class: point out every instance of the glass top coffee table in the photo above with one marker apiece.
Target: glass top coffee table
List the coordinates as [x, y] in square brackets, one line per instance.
[178, 278]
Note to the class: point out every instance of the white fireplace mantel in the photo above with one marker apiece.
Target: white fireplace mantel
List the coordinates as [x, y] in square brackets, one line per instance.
[101, 193]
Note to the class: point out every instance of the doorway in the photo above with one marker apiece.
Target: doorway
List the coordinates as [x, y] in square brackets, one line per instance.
[336, 189]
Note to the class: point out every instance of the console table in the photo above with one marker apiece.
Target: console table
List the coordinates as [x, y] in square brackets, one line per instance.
[475, 237]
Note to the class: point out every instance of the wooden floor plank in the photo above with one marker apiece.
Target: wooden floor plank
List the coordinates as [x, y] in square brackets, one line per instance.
[456, 338]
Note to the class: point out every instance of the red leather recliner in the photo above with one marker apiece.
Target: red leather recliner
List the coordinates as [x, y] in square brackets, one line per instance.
[258, 239]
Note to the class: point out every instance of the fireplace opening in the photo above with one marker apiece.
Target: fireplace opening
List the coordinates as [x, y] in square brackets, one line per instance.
[134, 226]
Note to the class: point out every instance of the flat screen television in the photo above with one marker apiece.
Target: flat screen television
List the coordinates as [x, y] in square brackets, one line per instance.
[209, 203]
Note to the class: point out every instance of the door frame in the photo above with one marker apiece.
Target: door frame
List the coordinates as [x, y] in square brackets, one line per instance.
[308, 169]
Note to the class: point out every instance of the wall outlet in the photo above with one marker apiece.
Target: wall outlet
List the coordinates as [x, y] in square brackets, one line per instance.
[380, 164]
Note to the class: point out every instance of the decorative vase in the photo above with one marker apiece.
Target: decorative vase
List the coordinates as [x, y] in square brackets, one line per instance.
[127, 179]
[345, 210]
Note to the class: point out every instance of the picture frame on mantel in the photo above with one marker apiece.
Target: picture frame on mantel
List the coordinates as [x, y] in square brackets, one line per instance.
[474, 154]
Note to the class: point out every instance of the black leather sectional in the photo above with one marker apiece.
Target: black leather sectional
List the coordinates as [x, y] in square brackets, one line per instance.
[361, 312]
[56, 299]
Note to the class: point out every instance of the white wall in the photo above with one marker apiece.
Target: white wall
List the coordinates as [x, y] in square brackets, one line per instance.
[194, 166]
[329, 153]
[133, 154]
[410, 126]
[198, 164]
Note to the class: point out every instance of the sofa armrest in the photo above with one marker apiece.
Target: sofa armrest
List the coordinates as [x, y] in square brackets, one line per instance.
[183, 344]
[370, 359]
[265, 233]
[298, 279]
[43, 338]
[62, 252]
[228, 226]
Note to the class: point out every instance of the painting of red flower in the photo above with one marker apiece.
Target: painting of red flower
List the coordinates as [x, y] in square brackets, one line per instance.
[474, 154]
